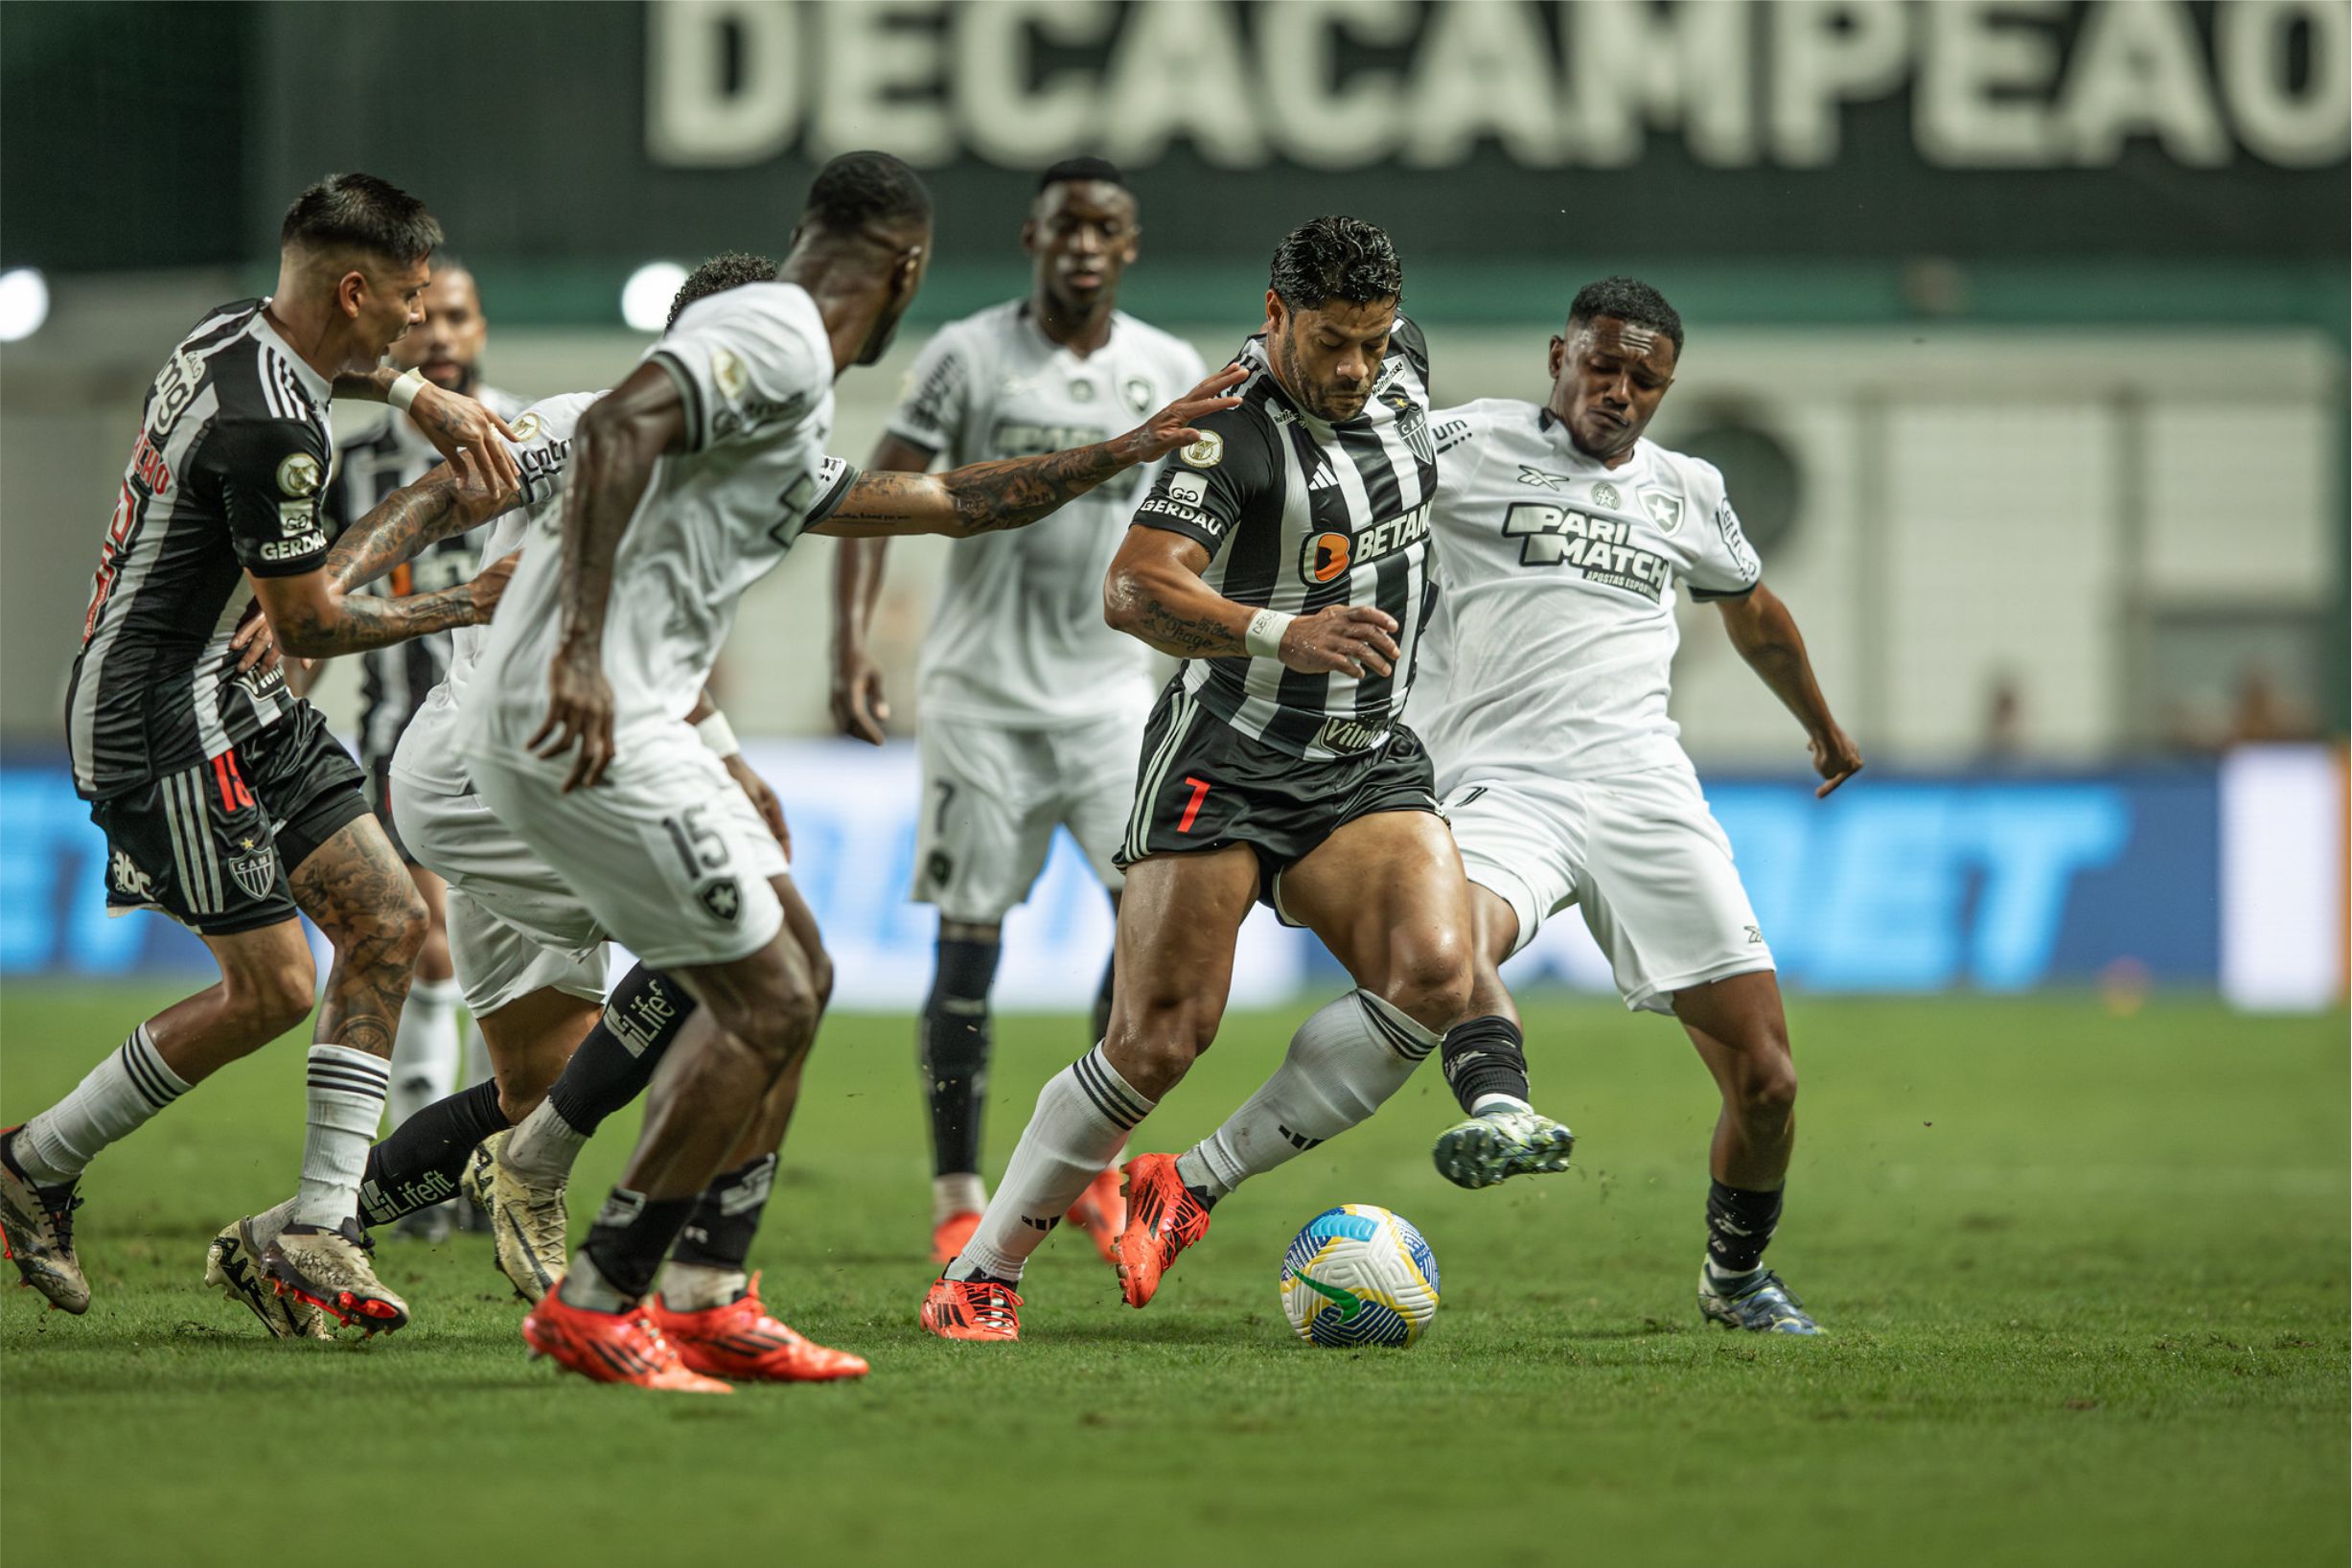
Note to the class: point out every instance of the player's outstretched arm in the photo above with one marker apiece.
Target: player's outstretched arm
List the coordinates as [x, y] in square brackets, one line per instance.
[449, 420]
[311, 616]
[986, 497]
[1766, 636]
[859, 706]
[460, 495]
[1154, 594]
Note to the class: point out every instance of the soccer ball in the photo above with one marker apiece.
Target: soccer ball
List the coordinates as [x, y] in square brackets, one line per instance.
[1359, 1275]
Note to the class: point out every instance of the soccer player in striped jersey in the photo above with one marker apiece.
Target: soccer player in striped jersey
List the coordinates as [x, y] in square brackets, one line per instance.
[1031, 706]
[1565, 536]
[371, 463]
[1284, 556]
[224, 802]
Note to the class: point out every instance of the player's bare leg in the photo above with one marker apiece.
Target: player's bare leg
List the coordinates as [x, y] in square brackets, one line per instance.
[757, 1017]
[266, 989]
[427, 1053]
[1484, 1060]
[1742, 1035]
[1177, 922]
[1385, 894]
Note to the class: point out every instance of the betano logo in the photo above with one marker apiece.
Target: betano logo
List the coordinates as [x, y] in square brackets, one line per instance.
[1329, 555]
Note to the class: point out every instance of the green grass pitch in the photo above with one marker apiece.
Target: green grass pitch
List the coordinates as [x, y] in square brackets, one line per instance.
[2085, 1274]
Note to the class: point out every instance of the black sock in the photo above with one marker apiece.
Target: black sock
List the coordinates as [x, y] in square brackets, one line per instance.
[616, 1060]
[954, 1046]
[418, 1164]
[1102, 1002]
[1740, 1227]
[1485, 1056]
[725, 1218]
[632, 1235]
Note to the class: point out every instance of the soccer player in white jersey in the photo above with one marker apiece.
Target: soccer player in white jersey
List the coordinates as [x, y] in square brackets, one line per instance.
[1564, 537]
[689, 481]
[1032, 707]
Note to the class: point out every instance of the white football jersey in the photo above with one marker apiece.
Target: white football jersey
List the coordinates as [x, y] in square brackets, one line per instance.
[1017, 637]
[1552, 646]
[755, 369]
[429, 748]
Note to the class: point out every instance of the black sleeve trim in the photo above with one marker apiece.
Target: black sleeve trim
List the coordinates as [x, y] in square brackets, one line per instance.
[1703, 595]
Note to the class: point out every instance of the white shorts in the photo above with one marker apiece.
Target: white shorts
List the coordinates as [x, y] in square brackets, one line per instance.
[1642, 855]
[992, 797]
[515, 928]
[666, 852]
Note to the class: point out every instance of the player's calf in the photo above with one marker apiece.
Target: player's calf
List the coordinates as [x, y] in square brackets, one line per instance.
[1485, 1062]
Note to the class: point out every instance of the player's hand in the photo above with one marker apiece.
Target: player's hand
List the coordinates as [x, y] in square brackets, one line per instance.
[478, 491]
[256, 642]
[489, 586]
[1342, 640]
[763, 799]
[1835, 758]
[451, 420]
[859, 707]
[579, 714]
[1171, 427]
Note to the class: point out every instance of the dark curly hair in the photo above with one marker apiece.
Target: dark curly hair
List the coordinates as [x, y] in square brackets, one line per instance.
[1628, 299]
[726, 270]
[1336, 257]
[861, 188]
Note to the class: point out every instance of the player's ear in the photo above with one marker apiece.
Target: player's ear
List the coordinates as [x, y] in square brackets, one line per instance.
[1028, 237]
[349, 290]
[1134, 246]
[1275, 312]
[1560, 353]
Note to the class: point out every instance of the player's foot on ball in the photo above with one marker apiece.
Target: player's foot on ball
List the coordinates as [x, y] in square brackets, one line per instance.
[1501, 1144]
[233, 1267]
[971, 1309]
[949, 1235]
[1101, 1212]
[1761, 1305]
[528, 1222]
[610, 1347]
[1163, 1220]
[331, 1270]
[740, 1341]
[37, 1223]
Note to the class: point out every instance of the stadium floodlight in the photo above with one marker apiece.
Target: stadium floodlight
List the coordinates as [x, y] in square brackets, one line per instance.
[645, 298]
[24, 303]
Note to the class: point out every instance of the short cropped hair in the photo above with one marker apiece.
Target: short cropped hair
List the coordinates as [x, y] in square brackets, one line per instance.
[861, 188]
[1068, 168]
[364, 213]
[729, 269]
[1336, 257]
[1628, 299]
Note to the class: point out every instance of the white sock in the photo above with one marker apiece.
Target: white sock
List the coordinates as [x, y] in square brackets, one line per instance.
[1487, 1105]
[477, 1054]
[112, 1102]
[958, 1193]
[271, 1221]
[585, 1287]
[1083, 1114]
[544, 1145]
[345, 1097]
[1344, 1062]
[698, 1287]
[425, 1050]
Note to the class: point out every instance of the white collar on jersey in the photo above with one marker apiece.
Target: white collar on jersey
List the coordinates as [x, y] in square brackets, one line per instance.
[321, 389]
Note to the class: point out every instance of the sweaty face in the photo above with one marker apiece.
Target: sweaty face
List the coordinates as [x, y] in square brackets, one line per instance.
[1328, 356]
[1082, 235]
[1608, 376]
[447, 345]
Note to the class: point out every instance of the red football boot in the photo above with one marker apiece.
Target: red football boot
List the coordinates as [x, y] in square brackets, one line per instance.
[741, 1342]
[1163, 1220]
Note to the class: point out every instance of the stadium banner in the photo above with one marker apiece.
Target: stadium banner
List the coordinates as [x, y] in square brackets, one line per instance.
[1992, 883]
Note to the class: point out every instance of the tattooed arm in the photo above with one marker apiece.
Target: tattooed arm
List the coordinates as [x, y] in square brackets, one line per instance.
[449, 420]
[312, 616]
[985, 497]
[1155, 594]
[452, 498]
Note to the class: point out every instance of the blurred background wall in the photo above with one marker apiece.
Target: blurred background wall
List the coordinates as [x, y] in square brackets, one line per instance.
[2019, 326]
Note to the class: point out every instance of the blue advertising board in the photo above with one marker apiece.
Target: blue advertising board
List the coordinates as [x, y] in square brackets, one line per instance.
[1893, 885]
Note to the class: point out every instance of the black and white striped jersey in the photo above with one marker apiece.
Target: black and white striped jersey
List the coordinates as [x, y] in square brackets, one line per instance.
[1298, 514]
[233, 449]
[369, 465]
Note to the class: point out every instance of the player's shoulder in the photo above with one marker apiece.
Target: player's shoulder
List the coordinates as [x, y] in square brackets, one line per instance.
[551, 418]
[776, 310]
[1701, 481]
[1481, 419]
[1407, 339]
[1140, 336]
[1244, 441]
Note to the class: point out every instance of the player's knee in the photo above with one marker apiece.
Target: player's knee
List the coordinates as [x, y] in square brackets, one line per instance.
[1767, 1084]
[1429, 982]
[820, 977]
[273, 999]
[1155, 1041]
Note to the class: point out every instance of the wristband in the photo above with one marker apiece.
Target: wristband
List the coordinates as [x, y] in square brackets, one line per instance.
[717, 734]
[404, 388]
[1264, 637]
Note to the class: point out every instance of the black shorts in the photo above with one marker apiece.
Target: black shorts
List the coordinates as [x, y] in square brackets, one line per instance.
[211, 845]
[1203, 785]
